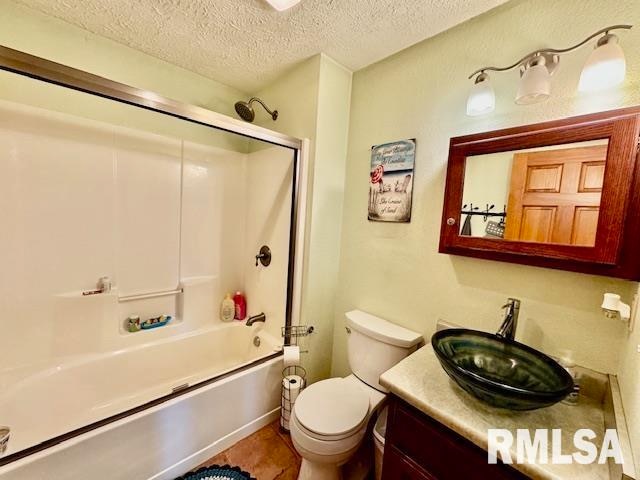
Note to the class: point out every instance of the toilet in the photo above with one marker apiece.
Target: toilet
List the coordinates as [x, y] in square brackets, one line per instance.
[330, 417]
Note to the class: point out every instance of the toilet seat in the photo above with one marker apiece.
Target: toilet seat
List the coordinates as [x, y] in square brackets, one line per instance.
[331, 409]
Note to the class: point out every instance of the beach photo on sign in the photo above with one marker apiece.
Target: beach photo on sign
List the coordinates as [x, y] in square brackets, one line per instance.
[391, 181]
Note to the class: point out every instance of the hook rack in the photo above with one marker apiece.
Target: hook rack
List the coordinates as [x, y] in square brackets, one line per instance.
[486, 213]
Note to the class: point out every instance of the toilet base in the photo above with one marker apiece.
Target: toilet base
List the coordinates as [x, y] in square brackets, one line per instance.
[319, 471]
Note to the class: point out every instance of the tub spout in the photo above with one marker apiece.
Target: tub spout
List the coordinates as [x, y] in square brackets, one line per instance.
[261, 317]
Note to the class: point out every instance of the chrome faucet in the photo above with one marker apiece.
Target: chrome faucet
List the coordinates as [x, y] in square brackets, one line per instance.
[510, 323]
[261, 317]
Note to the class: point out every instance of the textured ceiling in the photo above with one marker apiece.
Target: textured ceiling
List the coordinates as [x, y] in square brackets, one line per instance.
[246, 44]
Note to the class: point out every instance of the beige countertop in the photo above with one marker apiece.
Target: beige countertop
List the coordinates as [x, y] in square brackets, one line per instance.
[420, 381]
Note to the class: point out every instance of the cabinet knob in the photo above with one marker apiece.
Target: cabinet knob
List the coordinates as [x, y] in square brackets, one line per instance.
[451, 221]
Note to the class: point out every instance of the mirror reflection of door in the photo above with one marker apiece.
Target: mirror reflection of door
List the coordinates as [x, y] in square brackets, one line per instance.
[554, 195]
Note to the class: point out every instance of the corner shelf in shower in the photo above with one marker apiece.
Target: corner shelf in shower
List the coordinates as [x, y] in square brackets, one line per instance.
[146, 296]
[170, 326]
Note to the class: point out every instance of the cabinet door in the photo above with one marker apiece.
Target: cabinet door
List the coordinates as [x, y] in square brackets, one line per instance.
[396, 466]
[561, 194]
[439, 452]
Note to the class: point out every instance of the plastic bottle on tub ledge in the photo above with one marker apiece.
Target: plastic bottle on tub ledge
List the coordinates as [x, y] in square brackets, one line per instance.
[227, 309]
[240, 303]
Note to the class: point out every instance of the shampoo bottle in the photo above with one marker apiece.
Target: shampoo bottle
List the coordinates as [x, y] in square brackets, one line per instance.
[227, 309]
[240, 302]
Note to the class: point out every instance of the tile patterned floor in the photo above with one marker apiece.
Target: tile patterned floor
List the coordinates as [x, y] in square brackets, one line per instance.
[268, 454]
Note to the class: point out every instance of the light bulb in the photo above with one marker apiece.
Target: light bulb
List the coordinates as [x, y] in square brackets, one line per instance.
[535, 84]
[606, 66]
[482, 98]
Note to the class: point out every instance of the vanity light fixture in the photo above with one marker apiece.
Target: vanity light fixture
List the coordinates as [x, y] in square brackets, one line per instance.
[282, 5]
[605, 68]
[535, 82]
[482, 98]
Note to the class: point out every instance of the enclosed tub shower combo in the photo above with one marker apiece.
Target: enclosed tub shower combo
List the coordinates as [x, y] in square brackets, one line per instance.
[127, 218]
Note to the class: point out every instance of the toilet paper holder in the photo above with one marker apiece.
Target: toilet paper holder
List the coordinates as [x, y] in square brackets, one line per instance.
[294, 380]
[294, 373]
[295, 331]
[291, 333]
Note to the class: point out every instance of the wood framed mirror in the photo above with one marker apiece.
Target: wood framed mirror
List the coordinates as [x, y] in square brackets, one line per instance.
[562, 194]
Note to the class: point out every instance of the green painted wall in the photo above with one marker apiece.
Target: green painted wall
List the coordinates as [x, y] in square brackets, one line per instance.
[394, 270]
[313, 100]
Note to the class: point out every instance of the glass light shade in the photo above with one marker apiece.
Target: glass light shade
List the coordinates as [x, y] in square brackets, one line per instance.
[605, 68]
[482, 99]
[534, 86]
[282, 5]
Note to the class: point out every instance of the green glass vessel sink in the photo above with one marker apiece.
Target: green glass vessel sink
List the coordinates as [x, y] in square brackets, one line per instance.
[499, 371]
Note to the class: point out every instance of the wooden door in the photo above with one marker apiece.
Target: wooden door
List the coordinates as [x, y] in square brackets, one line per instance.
[554, 195]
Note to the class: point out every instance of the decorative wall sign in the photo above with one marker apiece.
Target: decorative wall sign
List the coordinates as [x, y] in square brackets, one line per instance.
[391, 181]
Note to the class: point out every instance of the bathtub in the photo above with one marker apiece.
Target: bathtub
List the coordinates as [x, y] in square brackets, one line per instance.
[152, 411]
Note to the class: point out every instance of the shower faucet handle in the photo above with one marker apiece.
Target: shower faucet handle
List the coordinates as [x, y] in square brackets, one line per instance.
[264, 256]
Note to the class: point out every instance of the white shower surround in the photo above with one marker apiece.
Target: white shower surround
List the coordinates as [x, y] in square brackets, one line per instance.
[153, 451]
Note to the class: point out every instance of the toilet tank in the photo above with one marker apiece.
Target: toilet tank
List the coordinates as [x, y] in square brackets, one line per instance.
[375, 345]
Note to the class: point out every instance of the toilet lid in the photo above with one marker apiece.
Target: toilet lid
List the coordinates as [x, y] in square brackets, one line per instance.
[332, 407]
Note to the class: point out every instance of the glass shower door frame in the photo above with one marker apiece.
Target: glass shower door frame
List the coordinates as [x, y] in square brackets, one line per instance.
[38, 68]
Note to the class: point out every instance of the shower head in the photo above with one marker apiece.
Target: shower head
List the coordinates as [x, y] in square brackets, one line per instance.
[245, 110]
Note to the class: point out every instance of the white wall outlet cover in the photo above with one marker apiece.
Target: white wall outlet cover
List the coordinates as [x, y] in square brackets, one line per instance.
[282, 5]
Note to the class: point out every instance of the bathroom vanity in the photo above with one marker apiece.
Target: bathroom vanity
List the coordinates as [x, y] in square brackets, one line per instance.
[419, 447]
[436, 431]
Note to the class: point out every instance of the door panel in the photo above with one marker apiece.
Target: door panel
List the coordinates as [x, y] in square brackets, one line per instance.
[537, 224]
[585, 224]
[544, 178]
[591, 177]
[554, 195]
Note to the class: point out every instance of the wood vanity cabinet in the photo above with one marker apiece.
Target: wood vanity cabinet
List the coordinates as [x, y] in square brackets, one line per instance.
[417, 447]
[566, 195]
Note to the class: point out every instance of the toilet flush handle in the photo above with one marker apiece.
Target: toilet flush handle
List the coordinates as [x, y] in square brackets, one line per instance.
[348, 330]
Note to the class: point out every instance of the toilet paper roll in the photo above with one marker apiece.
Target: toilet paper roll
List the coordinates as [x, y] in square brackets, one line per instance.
[291, 385]
[291, 356]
